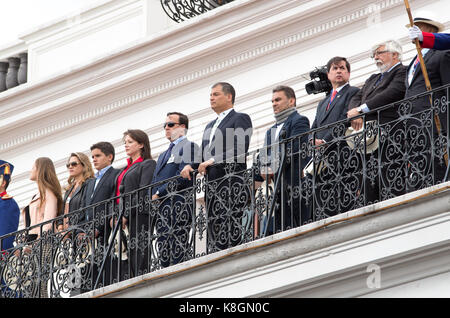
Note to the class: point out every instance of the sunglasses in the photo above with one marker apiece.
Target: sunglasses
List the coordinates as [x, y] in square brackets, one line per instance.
[72, 164]
[170, 124]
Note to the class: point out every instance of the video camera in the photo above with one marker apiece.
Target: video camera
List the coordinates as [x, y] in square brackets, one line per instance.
[320, 82]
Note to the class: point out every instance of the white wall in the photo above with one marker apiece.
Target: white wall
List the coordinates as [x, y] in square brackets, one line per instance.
[117, 67]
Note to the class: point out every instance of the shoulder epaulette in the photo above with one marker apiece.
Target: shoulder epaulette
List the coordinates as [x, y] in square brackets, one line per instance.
[6, 197]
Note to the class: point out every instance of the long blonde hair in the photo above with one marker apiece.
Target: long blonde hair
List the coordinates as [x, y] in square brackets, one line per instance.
[88, 171]
[47, 179]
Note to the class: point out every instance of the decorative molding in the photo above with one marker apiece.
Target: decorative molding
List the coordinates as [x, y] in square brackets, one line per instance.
[195, 75]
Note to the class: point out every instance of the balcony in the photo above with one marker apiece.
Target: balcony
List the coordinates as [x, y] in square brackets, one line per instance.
[349, 184]
[180, 10]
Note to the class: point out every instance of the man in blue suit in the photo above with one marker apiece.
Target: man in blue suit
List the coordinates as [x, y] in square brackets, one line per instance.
[98, 198]
[173, 220]
[287, 137]
[9, 210]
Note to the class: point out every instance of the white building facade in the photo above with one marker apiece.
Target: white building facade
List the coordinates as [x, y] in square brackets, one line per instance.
[123, 64]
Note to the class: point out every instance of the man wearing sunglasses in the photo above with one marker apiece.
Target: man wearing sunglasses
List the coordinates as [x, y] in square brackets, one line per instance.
[173, 220]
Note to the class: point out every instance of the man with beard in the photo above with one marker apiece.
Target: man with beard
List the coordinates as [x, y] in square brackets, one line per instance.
[379, 90]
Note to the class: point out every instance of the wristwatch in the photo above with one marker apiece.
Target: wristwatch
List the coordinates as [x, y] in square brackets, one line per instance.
[359, 109]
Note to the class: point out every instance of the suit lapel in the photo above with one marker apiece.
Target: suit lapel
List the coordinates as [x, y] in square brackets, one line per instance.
[419, 68]
[333, 103]
[161, 163]
[94, 189]
[222, 124]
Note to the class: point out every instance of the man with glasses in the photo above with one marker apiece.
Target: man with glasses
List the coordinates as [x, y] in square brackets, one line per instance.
[380, 89]
[170, 192]
[383, 88]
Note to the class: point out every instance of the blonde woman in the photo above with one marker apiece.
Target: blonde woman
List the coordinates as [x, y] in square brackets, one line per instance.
[80, 170]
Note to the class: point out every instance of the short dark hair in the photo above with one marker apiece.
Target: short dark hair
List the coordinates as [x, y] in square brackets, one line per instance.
[288, 91]
[182, 118]
[142, 138]
[227, 88]
[106, 147]
[336, 60]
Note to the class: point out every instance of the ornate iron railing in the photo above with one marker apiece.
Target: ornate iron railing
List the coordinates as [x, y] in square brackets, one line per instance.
[181, 10]
[132, 235]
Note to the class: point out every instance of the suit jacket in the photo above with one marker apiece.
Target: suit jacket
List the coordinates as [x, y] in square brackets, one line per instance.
[336, 112]
[137, 176]
[231, 138]
[76, 202]
[9, 221]
[438, 68]
[294, 125]
[389, 90]
[169, 166]
[77, 199]
[437, 41]
[103, 191]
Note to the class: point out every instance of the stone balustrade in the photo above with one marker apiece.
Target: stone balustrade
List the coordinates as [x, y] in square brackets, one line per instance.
[13, 71]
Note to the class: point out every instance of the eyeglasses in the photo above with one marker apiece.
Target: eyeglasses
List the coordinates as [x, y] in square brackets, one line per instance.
[72, 164]
[377, 53]
[170, 124]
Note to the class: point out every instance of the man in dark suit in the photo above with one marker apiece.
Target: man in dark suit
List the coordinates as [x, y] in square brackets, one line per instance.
[173, 221]
[329, 190]
[381, 89]
[427, 164]
[224, 147]
[286, 138]
[98, 192]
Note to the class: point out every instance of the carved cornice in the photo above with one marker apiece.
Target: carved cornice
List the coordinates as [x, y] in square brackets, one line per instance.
[298, 38]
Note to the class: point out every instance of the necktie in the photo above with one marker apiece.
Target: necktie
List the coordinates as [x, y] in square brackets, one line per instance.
[168, 152]
[379, 79]
[416, 63]
[331, 98]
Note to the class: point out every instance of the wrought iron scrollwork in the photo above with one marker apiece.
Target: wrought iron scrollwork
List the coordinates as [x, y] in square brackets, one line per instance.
[181, 10]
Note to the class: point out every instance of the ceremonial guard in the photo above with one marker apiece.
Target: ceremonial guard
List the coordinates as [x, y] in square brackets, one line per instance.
[9, 210]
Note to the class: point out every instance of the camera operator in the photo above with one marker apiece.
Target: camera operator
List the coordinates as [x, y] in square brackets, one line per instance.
[330, 161]
[334, 106]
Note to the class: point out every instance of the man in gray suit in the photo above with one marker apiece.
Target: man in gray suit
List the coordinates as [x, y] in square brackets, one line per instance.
[328, 199]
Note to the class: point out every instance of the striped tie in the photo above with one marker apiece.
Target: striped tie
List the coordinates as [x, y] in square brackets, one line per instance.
[331, 99]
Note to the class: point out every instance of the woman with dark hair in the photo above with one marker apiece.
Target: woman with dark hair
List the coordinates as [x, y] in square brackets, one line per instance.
[137, 174]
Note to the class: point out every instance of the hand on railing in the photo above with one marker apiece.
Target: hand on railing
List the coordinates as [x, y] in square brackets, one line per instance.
[186, 172]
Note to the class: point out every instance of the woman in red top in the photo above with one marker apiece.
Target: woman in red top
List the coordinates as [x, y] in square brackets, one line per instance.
[136, 175]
